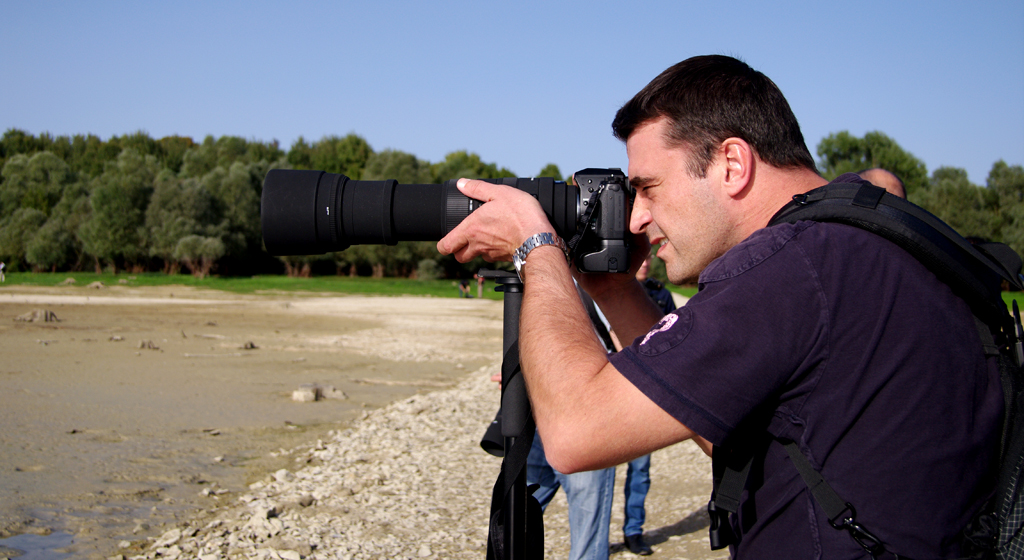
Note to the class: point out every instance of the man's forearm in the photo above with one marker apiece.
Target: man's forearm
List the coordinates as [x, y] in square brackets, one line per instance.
[559, 349]
[589, 415]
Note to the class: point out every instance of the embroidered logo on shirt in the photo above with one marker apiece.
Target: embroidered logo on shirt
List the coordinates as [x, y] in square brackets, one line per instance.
[665, 324]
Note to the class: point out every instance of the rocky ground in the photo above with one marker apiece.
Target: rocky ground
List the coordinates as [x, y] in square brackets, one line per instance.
[410, 481]
[152, 424]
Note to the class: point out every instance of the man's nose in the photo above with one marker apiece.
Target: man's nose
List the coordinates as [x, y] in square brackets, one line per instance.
[639, 219]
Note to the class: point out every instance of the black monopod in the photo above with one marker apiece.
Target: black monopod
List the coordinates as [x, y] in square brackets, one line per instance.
[516, 530]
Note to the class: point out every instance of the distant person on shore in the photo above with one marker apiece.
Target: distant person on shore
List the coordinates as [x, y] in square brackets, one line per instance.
[479, 286]
[464, 289]
[2, 265]
[885, 179]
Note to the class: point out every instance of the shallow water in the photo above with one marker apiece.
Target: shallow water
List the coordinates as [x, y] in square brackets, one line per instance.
[108, 439]
[36, 547]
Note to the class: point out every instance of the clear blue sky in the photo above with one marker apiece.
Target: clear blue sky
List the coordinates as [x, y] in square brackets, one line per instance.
[520, 83]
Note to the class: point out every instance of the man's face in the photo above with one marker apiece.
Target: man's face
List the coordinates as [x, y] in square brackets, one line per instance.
[681, 212]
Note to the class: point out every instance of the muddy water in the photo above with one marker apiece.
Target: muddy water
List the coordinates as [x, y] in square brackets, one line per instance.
[141, 405]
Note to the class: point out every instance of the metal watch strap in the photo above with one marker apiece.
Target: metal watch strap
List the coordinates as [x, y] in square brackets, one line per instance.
[534, 241]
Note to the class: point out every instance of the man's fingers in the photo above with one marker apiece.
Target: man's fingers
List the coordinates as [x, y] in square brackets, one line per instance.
[452, 242]
[458, 239]
[495, 229]
[457, 243]
[480, 190]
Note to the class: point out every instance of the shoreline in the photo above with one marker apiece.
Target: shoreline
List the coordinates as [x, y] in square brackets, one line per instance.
[393, 471]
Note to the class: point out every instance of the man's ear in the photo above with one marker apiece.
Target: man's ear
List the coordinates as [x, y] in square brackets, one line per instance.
[738, 158]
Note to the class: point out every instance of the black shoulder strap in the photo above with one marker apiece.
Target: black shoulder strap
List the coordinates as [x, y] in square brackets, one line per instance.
[730, 469]
[973, 274]
[841, 514]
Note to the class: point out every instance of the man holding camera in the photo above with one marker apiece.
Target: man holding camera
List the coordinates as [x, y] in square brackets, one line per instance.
[820, 334]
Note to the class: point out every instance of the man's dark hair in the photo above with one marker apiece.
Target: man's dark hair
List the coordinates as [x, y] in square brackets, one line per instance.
[710, 98]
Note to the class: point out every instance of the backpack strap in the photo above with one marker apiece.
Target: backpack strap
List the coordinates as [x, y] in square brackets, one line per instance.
[939, 247]
[730, 469]
[841, 514]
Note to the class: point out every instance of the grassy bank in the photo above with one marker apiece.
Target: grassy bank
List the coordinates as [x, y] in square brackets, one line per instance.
[687, 291]
[260, 284]
[320, 284]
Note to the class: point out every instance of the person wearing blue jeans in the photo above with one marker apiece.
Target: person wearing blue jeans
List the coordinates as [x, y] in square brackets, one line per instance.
[638, 482]
[638, 474]
[590, 502]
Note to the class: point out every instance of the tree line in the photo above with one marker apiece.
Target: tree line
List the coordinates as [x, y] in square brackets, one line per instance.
[994, 211]
[139, 204]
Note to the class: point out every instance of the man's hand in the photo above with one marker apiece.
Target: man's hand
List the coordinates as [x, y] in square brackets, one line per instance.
[600, 284]
[622, 299]
[496, 229]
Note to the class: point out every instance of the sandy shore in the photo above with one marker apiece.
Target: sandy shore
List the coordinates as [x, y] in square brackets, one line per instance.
[158, 422]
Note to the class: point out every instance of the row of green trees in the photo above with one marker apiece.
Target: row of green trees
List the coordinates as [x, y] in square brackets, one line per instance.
[130, 202]
[137, 203]
[994, 211]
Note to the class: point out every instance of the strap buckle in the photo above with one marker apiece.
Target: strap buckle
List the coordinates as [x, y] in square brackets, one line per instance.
[864, 538]
[720, 533]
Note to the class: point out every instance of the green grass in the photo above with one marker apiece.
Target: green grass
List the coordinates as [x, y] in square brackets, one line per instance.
[1008, 297]
[317, 285]
[687, 291]
[260, 284]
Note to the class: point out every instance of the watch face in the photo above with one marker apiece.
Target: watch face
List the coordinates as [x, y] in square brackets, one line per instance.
[517, 261]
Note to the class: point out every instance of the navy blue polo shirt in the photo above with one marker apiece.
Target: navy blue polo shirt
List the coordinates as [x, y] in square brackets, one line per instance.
[837, 339]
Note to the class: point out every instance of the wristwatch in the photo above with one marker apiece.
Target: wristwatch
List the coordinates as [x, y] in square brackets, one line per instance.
[546, 238]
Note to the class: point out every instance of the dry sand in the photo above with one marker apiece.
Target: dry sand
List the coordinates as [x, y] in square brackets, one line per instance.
[145, 409]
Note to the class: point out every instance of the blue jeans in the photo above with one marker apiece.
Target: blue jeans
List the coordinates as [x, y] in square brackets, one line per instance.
[638, 482]
[590, 502]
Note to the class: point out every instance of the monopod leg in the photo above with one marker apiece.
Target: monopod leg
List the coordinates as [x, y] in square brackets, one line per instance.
[515, 414]
[516, 426]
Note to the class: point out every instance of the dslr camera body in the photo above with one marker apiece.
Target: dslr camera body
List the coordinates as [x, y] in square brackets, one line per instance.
[315, 212]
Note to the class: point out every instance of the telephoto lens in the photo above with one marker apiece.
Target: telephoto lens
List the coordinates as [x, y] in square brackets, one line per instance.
[315, 212]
